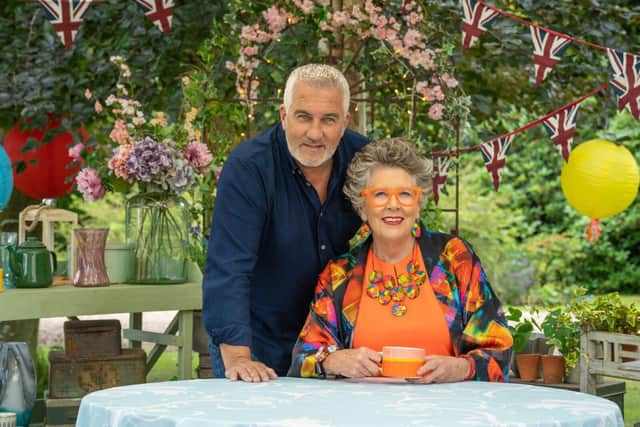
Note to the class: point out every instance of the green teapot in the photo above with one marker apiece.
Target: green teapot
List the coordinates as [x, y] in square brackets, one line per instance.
[32, 264]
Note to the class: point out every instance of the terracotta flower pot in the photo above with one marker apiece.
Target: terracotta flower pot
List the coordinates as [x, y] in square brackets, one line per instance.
[552, 369]
[528, 366]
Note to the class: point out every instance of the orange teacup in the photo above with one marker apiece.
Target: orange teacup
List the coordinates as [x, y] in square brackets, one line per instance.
[402, 362]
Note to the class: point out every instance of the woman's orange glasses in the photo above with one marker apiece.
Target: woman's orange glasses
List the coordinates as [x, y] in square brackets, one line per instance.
[378, 197]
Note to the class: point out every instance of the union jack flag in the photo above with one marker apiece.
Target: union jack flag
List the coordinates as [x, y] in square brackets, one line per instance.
[626, 80]
[441, 165]
[561, 128]
[477, 19]
[494, 153]
[66, 17]
[160, 12]
[547, 50]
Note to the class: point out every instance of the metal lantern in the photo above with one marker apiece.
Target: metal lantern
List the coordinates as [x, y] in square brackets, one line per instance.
[49, 216]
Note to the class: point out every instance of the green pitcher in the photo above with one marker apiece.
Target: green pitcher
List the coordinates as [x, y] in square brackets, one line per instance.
[32, 264]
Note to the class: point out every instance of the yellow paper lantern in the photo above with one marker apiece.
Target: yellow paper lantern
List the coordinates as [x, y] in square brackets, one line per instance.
[600, 179]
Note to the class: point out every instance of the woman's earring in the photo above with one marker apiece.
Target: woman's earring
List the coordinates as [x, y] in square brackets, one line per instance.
[364, 231]
[416, 231]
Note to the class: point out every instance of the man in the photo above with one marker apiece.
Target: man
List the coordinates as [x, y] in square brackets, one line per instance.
[279, 217]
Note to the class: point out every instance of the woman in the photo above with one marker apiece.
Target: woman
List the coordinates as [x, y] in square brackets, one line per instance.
[402, 285]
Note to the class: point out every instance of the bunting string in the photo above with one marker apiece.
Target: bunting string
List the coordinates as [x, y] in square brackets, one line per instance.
[552, 32]
[66, 15]
[453, 152]
[560, 124]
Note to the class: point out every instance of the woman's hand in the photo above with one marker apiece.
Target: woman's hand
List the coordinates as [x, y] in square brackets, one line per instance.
[353, 363]
[443, 369]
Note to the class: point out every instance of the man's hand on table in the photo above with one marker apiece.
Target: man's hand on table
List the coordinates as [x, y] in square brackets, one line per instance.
[239, 366]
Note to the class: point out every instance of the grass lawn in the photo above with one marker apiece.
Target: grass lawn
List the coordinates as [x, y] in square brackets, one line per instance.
[631, 403]
[630, 299]
[166, 369]
[632, 396]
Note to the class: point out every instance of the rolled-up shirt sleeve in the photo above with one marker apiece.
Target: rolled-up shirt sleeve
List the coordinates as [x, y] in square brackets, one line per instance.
[236, 231]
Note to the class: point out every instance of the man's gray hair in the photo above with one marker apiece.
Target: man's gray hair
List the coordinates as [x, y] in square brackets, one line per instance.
[392, 153]
[319, 75]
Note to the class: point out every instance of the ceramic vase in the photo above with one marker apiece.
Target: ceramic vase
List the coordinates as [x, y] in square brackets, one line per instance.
[118, 258]
[91, 270]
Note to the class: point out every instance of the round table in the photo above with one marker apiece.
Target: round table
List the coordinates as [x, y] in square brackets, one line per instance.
[376, 402]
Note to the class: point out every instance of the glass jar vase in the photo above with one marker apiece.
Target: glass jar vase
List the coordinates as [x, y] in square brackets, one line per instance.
[91, 269]
[157, 230]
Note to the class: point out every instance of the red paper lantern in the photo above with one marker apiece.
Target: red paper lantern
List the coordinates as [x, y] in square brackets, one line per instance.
[51, 177]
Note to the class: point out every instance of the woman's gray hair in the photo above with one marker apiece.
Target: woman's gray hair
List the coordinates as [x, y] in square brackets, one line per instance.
[319, 75]
[392, 153]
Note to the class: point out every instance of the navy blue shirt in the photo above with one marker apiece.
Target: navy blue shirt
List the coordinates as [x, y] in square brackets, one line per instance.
[270, 238]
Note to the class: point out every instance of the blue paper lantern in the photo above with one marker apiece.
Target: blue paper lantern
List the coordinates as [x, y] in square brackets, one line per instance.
[6, 178]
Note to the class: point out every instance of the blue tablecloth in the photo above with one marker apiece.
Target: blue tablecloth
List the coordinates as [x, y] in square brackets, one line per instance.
[314, 403]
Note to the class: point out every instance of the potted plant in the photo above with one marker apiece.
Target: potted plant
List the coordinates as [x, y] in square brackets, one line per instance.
[562, 327]
[526, 364]
[607, 313]
[563, 334]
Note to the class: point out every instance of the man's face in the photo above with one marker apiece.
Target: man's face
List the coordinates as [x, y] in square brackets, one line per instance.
[314, 123]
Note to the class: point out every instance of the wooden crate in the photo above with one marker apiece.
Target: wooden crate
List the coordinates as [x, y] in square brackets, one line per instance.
[200, 337]
[610, 354]
[204, 366]
[92, 338]
[61, 412]
[72, 378]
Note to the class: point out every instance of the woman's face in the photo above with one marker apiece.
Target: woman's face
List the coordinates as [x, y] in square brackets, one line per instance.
[391, 221]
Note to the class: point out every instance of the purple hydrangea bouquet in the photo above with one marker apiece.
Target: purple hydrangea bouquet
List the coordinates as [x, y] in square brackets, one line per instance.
[145, 152]
[155, 163]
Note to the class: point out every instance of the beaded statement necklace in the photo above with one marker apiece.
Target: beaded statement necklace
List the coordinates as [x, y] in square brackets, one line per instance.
[397, 288]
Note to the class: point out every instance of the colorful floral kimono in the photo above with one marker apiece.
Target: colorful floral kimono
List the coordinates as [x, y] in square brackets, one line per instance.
[471, 310]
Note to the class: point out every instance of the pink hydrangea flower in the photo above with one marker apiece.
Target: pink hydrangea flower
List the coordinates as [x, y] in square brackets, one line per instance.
[423, 88]
[306, 6]
[119, 133]
[448, 80]
[249, 51]
[436, 111]
[276, 19]
[75, 152]
[118, 163]
[87, 93]
[414, 18]
[198, 155]
[90, 184]
[98, 107]
[413, 38]
[436, 93]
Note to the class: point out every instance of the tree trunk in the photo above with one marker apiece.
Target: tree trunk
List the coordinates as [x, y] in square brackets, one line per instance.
[346, 47]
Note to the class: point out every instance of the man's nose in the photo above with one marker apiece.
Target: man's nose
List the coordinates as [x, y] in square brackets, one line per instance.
[315, 130]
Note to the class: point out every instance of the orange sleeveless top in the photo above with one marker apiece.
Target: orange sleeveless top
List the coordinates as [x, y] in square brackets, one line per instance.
[423, 324]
